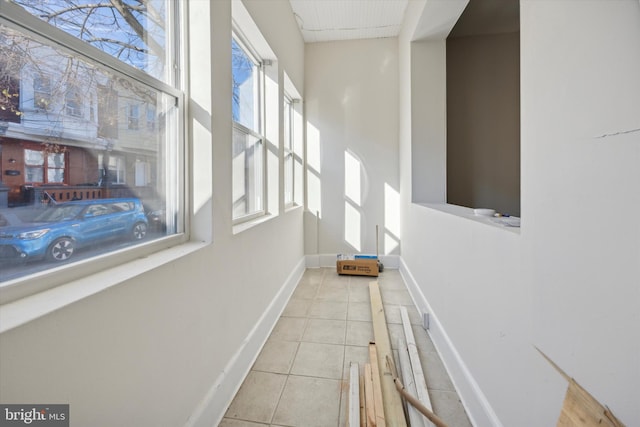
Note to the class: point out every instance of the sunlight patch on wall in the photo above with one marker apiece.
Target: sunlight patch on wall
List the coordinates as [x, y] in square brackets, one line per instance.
[352, 184]
[391, 210]
[314, 193]
[313, 147]
[202, 186]
[352, 225]
[391, 218]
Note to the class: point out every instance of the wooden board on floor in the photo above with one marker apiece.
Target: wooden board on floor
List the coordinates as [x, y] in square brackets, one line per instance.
[368, 396]
[354, 395]
[393, 410]
[412, 348]
[378, 401]
[363, 407]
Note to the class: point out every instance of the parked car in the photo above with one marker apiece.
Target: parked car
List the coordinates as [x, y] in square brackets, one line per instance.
[58, 230]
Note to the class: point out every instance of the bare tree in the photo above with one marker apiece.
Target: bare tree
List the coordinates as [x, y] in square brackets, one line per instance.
[131, 30]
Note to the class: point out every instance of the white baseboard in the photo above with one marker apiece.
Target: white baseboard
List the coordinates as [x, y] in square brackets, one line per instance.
[212, 407]
[329, 260]
[480, 412]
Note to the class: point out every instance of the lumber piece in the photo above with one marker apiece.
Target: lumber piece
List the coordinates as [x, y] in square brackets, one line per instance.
[368, 397]
[415, 417]
[354, 395]
[378, 400]
[418, 405]
[363, 409]
[580, 407]
[414, 358]
[393, 410]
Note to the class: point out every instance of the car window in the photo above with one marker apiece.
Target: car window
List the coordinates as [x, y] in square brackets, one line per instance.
[97, 210]
[58, 213]
[122, 206]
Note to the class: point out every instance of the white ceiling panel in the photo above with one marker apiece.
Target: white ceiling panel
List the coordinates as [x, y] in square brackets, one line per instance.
[329, 20]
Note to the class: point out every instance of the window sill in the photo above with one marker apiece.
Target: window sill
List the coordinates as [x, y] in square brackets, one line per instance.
[467, 213]
[244, 226]
[291, 208]
[22, 311]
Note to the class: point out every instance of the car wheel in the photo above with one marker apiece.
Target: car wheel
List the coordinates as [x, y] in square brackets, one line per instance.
[139, 231]
[61, 249]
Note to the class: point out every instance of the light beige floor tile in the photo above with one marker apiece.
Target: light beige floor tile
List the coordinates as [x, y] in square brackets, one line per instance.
[359, 292]
[423, 341]
[306, 291]
[392, 313]
[313, 275]
[333, 293]
[328, 310]
[359, 333]
[297, 307]
[258, 397]
[319, 360]
[229, 422]
[309, 402]
[276, 357]
[362, 280]
[434, 372]
[448, 407]
[359, 311]
[334, 278]
[396, 297]
[289, 329]
[331, 315]
[325, 331]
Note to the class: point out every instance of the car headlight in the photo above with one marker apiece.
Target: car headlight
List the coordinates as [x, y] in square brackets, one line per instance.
[29, 235]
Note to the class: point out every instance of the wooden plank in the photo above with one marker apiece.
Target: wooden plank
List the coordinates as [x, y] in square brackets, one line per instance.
[394, 412]
[368, 396]
[354, 395]
[580, 408]
[363, 408]
[378, 403]
[416, 419]
[416, 366]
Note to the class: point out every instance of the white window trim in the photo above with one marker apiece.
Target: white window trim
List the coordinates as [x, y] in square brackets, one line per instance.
[30, 297]
[288, 150]
[239, 38]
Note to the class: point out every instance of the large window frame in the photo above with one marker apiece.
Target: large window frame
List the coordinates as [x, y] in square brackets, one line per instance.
[174, 154]
[289, 159]
[249, 183]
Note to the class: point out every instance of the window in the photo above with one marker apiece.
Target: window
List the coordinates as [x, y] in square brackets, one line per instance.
[483, 109]
[248, 140]
[112, 169]
[151, 118]
[133, 116]
[73, 102]
[288, 152]
[293, 144]
[95, 87]
[41, 92]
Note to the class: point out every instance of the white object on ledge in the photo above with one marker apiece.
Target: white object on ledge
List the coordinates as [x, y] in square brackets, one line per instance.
[484, 212]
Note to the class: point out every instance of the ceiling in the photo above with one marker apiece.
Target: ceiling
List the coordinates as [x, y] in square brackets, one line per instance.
[329, 20]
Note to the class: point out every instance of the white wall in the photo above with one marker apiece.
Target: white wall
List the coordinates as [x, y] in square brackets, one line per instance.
[568, 281]
[167, 346]
[351, 100]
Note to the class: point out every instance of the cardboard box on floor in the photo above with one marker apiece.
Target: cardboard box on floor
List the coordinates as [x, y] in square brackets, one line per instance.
[358, 267]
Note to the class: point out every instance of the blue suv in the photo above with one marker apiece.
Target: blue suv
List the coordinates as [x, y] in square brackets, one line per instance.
[58, 230]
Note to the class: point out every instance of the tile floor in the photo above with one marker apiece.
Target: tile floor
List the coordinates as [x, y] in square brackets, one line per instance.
[300, 378]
